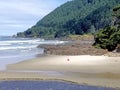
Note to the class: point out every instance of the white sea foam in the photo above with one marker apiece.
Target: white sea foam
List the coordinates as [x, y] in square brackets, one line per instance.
[31, 42]
[3, 57]
[52, 42]
[18, 47]
[26, 44]
[19, 41]
[13, 50]
[4, 44]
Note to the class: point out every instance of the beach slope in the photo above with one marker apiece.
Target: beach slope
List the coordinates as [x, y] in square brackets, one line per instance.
[84, 69]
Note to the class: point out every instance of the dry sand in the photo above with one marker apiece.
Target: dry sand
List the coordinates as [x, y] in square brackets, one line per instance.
[91, 70]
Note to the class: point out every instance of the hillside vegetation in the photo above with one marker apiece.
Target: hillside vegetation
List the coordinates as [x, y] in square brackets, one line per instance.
[109, 37]
[73, 17]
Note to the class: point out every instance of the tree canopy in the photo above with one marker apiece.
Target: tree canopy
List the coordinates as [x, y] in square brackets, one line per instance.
[109, 37]
[73, 17]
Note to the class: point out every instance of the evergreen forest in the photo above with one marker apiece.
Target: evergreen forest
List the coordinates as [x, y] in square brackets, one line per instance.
[75, 17]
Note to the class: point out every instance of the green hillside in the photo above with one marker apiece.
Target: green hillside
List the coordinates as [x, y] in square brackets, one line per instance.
[74, 17]
[109, 37]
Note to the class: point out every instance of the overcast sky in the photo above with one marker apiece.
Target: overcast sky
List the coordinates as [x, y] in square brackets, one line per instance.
[19, 15]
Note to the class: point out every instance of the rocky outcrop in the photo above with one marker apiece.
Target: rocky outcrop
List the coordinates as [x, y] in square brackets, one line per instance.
[74, 48]
[118, 48]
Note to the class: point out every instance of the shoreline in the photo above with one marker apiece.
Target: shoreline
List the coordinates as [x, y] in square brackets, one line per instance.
[58, 80]
[83, 81]
[91, 70]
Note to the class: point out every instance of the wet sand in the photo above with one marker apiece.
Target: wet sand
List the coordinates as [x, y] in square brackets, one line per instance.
[46, 85]
[90, 70]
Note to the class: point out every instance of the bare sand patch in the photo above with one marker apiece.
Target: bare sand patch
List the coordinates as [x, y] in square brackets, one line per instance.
[86, 69]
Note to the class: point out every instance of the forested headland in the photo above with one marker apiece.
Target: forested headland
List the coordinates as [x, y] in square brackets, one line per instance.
[75, 17]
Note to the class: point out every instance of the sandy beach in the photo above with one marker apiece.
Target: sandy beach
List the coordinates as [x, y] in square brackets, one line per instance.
[84, 69]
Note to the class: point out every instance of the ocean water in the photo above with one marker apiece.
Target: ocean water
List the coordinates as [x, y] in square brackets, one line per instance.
[46, 85]
[13, 50]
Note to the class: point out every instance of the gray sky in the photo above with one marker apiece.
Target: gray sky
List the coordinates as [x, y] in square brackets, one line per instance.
[19, 15]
